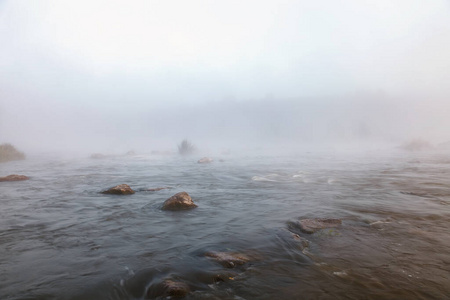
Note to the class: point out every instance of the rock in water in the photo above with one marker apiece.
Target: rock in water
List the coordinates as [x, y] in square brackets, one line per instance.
[121, 189]
[14, 177]
[179, 201]
[168, 289]
[313, 225]
[157, 189]
[228, 259]
[175, 288]
[205, 160]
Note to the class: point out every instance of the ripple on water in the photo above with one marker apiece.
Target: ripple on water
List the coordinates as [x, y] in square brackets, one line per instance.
[61, 239]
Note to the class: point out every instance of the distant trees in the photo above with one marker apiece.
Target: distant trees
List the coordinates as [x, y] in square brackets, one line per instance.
[8, 152]
[186, 148]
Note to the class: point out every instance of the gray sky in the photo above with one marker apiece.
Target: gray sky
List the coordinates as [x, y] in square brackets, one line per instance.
[63, 62]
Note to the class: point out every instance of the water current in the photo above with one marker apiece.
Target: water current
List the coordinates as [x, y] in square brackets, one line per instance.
[60, 238]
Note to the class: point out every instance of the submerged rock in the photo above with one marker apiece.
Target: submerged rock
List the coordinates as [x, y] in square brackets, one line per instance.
[168, 289]
[14, 177]
[303, 243]
[176, 289]
[228, 259]
[179, 201]
[121, 189]
[205, 160]
[8, 153]
[313, 225]
[157, 189]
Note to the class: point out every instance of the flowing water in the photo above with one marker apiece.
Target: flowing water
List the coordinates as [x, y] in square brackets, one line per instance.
[62, 239]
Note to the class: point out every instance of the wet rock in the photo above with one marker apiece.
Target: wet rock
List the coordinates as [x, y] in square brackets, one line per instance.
[313, 225]
[121, 189]
[292, 239]
[381, 224]
[175, 289]
[228, 259]
[205, 160]
[303, 243]
[179, 201]
[156, 189]
[9, 153]
[14, 177]
[168, 288]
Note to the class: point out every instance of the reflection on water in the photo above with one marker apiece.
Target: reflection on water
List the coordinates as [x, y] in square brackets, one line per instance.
[61, 239]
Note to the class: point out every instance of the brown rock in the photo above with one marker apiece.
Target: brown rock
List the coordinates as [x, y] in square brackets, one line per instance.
[313, 225]
[205, 160]
[121, 189]
[175, 289]
[228, 259]
[156, 189]
[304, 243]
[179, 201]
[14, 177]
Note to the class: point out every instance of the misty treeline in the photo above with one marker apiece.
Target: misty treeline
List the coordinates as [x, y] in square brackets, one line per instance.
[312, 120]
[226, 123]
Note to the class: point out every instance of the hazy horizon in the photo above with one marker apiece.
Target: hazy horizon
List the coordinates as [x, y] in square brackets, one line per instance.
[110, 76]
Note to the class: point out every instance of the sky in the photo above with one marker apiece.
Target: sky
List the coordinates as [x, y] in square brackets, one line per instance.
[77, 72]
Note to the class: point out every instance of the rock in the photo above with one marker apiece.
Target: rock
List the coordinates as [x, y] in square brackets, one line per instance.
[156, 189]
[130, 153]
[8, 153]
[14, 177]
[313, 225]
[175, 289]
[179, 201]
[121, 189]
[205, 160]
[303, 243]
[168, 289]
[228, 259]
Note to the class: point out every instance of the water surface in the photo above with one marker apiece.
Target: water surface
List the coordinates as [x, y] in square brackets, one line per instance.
[61, 239]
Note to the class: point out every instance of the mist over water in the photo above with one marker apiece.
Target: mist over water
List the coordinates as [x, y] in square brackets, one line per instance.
[108, 77]
[304, 110]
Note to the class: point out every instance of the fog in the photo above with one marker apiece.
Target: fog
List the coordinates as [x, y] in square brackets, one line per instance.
[111, 76]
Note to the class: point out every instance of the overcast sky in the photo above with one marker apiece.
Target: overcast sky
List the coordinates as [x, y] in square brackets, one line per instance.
[65, 57]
